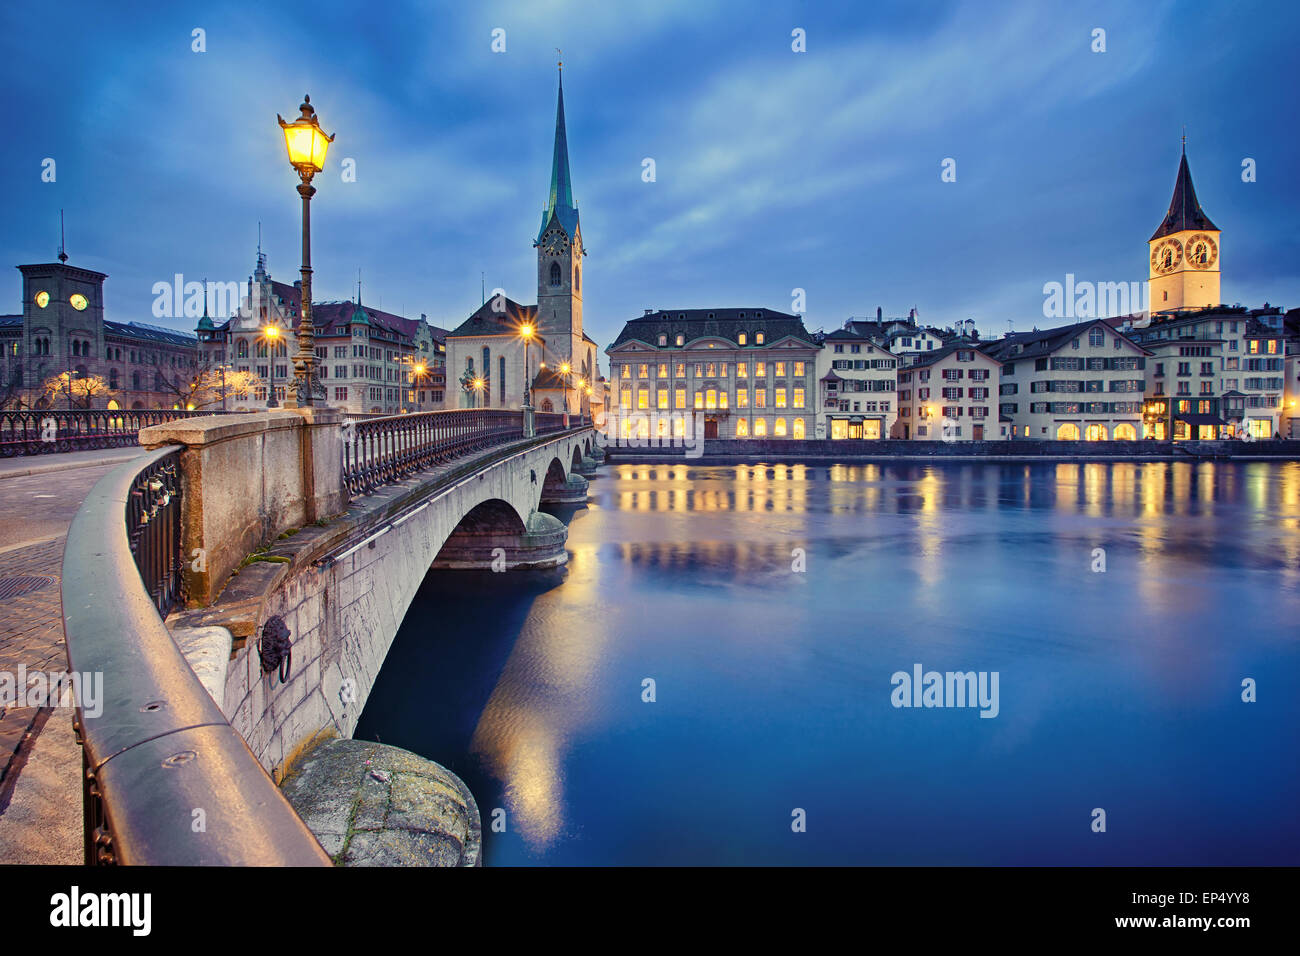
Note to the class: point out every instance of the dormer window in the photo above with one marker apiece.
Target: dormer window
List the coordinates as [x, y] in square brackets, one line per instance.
[710, 315]
[758, 338]
[681, 339]
[663, 339]
[682, 316]
[741, 339]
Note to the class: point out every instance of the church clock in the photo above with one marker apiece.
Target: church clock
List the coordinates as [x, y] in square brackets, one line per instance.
[554, 244]
[1202, 251]
[1166, 256]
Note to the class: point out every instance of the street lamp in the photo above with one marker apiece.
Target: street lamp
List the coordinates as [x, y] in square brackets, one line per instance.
[478, 384]
[271, 338]
[564, 371]
[526, 332]
[307, 144]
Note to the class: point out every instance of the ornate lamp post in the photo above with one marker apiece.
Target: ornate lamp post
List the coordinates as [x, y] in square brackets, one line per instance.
[564, 370]
[307, 144]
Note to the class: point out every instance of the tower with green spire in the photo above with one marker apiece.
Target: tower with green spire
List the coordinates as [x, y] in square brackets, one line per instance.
[559, 256]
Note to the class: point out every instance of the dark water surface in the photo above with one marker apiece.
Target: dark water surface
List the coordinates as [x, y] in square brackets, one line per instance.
[1118, 690]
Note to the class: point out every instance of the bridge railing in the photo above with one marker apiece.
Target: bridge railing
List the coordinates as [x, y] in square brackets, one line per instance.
[36, 431]
[382, 450]
[156, 749]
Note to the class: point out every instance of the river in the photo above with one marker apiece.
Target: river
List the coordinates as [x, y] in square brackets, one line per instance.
[1119, 607]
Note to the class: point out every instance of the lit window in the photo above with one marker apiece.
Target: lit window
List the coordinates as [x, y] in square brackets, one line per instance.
[711, 398]
[780, 398]
[627, 371]
[780, 369]
[699, 399]
[742, 399]
[742, 427]
[663, 398]
[779, 429]
[798, 428]
[758, 338]
[760, 369]
[741, 339]
[760, 427]
[679, 399]
[742, 370]
[625, 398]
[798, 398]
[663, 369]
[798, 369]
[643, 398]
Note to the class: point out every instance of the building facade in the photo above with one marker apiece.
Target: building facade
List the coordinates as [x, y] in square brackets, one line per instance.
[1082, 381]
[950, 394]
[62, 332]
[368, 361]
[747, 373]
[857, 384]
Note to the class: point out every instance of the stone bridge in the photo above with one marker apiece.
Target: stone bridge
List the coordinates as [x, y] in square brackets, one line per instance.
[342, 583]
[296, 543]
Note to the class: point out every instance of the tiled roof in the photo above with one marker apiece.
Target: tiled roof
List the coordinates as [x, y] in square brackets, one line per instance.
[929, 358]
[150, 333]
[487, 321]
[718, 323]
[1039, 341]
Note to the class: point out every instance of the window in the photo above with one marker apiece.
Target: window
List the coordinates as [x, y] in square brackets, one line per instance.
[625, 398]
[711, 398]
[760, 427]
[780, 369]
[663, 369]
[742, 427]
[681, 369]
[643, 398]
[626, 371]
[555, 274]
[663, 338]
[798, 369]
[1096, 338]
[780, 398]
[741, 339]
[798, 400]
[758, 338]
[742, 398]
[742, 370]
[679, 398]
[643, 371]
[699, 399]
[760, 369]
[779, 428]
[798, 428]
[681, 339]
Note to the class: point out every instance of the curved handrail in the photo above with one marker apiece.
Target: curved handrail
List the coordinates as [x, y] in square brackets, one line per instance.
[161, 750]
[37, 431]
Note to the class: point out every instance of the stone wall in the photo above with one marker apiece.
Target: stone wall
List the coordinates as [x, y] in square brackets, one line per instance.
[720, 450]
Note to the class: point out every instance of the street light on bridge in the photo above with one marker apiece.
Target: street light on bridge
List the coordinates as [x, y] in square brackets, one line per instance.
[270, 337]
[307, 144]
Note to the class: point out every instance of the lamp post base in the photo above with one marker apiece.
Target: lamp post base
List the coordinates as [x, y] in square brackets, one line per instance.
[530, 429]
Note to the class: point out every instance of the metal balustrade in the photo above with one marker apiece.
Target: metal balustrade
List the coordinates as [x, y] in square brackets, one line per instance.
[379, 451]
[36, 431]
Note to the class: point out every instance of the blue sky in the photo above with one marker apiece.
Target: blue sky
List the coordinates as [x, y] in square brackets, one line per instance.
[775, 170]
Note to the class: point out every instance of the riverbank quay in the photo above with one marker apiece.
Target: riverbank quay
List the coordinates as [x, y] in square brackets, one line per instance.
[725, 451]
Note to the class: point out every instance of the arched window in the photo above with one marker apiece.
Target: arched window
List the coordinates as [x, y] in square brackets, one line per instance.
[242, 350]
[1068, 432]
[742, 428]
[555, 273]
[779, 430]
[547, 406]
[1125, 432]
[798, 428]
[577, 278]
[76, 347]
[1096, 433]
[487, 375]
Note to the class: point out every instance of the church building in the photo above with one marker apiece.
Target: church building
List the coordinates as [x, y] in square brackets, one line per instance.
[486, 354]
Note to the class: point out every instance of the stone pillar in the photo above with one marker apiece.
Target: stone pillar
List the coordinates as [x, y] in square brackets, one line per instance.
[541, 545]
[246, 478]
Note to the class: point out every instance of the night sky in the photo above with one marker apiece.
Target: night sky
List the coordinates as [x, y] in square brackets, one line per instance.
[775, 170]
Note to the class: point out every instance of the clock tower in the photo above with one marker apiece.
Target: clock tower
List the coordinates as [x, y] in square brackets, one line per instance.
[559, 261]
[1184, 252]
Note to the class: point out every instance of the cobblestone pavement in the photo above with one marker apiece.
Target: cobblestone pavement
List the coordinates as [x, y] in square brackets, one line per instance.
[40, 794]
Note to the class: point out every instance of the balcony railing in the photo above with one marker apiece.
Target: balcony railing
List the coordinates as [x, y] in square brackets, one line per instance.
[36, 431]
[378, 451]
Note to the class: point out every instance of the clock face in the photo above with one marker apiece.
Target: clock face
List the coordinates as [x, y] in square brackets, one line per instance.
[1202, 251]
[1166, 256]
[78, 301]
[554, 243]
[42, 299]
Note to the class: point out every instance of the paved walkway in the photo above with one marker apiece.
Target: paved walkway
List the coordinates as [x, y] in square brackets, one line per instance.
[40, 763]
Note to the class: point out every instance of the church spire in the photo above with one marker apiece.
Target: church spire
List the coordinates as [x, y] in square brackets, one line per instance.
[1185, 211]
[560, 201]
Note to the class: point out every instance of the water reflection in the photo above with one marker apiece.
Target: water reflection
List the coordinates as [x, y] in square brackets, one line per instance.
[1117, 686]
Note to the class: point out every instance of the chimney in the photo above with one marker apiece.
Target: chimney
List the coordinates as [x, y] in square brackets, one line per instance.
[649, 311]
[879, 313]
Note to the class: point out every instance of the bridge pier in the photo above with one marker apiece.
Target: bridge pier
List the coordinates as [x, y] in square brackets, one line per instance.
[573, 491]
[487, 547]
[586, 467]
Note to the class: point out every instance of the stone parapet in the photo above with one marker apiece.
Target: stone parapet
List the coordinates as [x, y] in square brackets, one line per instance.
[245, 479]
